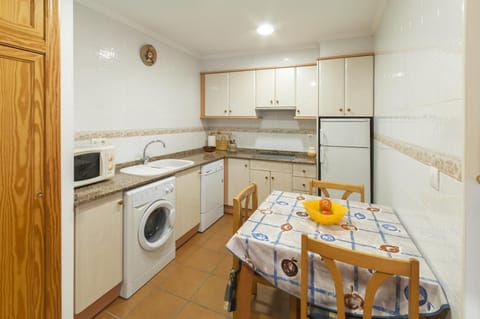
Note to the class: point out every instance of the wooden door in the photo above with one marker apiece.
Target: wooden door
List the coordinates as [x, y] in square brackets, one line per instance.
[22, 184]
[22, 23]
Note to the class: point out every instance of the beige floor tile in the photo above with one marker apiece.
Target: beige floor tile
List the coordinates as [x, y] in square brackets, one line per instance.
[192, 310]
[211, 293]
[158, 305]
[202, 259]
[217, 242]
[224, 266]
[120, 307]
[184, 281]
[223, 225]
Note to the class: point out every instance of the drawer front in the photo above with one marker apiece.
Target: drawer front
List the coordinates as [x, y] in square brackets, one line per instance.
[300, 184]
[304, 170]
[271, 166]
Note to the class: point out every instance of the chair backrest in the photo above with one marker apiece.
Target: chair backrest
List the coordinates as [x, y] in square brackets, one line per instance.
[382, 267]
[347, 188]
[244, 204]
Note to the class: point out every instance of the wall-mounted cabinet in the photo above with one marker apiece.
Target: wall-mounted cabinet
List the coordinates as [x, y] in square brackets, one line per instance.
[230, 94]
[306, 92]
[346, 86]
[275, 87]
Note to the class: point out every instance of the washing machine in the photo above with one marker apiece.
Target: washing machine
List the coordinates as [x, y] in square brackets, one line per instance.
[148, 233]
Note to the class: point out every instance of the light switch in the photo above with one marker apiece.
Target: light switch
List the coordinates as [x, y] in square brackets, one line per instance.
[434, 178]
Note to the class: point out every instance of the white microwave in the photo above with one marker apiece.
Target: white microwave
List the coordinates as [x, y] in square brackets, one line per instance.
[93, 163]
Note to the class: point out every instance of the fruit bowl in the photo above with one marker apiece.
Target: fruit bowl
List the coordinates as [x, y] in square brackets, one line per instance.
[313, 210]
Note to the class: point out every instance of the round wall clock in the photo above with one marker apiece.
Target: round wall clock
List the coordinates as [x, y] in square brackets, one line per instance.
[148, 54]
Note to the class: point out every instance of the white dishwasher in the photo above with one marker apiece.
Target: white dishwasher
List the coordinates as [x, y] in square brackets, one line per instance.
[212, 189]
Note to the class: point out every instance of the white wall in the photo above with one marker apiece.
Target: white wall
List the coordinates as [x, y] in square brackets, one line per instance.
[472, 159]
[66, 76]
[419, 103]
[130, 102]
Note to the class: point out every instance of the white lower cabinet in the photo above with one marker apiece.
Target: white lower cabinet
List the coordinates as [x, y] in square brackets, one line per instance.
[238, 177]
[302, 174]
[270, 176]
[187, 210]
[98, 249]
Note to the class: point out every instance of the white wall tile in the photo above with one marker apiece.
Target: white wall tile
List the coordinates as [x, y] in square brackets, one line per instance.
[419, 99]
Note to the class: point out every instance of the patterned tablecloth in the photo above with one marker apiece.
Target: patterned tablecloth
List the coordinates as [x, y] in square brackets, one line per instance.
[269, 241]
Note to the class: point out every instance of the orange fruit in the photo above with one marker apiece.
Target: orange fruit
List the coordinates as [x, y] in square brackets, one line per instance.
[325, 204]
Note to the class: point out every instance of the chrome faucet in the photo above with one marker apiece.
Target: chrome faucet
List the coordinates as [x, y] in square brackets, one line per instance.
[145, 157]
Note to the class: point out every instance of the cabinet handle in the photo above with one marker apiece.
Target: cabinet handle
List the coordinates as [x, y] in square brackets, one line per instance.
[229, 111]
[271, 101]
[304, 185]
[225, 111]
[276, 101]
[245, 165]
[304, 171]
[340, 109]
[298, 111]
[40, 194]
[120, 202]
[266, 177]
[349, 110]
[273, 178]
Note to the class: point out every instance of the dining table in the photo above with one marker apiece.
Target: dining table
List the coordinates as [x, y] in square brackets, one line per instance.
[269, 244]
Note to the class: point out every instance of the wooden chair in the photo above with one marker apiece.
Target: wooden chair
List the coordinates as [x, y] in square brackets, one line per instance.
[244, 204]
[383, 268]
[347, 188]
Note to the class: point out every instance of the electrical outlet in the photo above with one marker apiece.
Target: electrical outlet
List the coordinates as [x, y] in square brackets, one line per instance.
[99, 140]
[434, 178]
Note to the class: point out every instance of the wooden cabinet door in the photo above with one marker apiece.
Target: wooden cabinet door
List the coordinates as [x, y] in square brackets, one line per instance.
[265, 87]
[98, 249]
[285, 87]
[306, 91]
[187, 207]
[22, 23]
[242, 93]
[262, 178]
[281, 181]
[359, 86]
[331, 86]
[22, 182]
[238, 177]
[216, 94]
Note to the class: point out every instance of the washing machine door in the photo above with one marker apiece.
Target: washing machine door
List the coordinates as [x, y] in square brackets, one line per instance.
[156, 225]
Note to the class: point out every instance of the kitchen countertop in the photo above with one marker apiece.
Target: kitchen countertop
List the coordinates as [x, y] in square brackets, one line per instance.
[122, 182]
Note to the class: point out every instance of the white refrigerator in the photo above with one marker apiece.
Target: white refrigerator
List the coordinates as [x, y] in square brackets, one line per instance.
[345, 153]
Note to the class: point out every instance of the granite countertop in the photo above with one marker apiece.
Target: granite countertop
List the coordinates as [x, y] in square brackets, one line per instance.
[122, 182]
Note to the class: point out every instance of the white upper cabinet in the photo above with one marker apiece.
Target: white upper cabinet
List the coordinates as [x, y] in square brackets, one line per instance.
[346, 86]
[229, 94]
[275, 87]
[306, 91]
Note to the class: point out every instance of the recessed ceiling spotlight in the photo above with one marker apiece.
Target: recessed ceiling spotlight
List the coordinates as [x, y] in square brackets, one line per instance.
[265, 29]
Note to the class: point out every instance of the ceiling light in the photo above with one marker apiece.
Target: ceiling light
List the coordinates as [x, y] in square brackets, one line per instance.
[265, 29]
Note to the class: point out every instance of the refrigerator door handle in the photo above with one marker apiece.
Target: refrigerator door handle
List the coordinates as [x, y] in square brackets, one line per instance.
[322, 154]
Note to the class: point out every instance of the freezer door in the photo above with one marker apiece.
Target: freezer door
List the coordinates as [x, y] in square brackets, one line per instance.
[345, 132]
[346, 165]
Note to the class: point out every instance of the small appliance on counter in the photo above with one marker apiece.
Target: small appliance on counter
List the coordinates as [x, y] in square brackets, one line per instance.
[93, 163]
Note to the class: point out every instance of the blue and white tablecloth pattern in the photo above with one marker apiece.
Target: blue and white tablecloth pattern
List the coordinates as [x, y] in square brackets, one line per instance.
[269, 241]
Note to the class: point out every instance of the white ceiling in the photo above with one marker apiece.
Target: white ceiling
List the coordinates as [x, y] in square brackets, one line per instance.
[213, 28]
